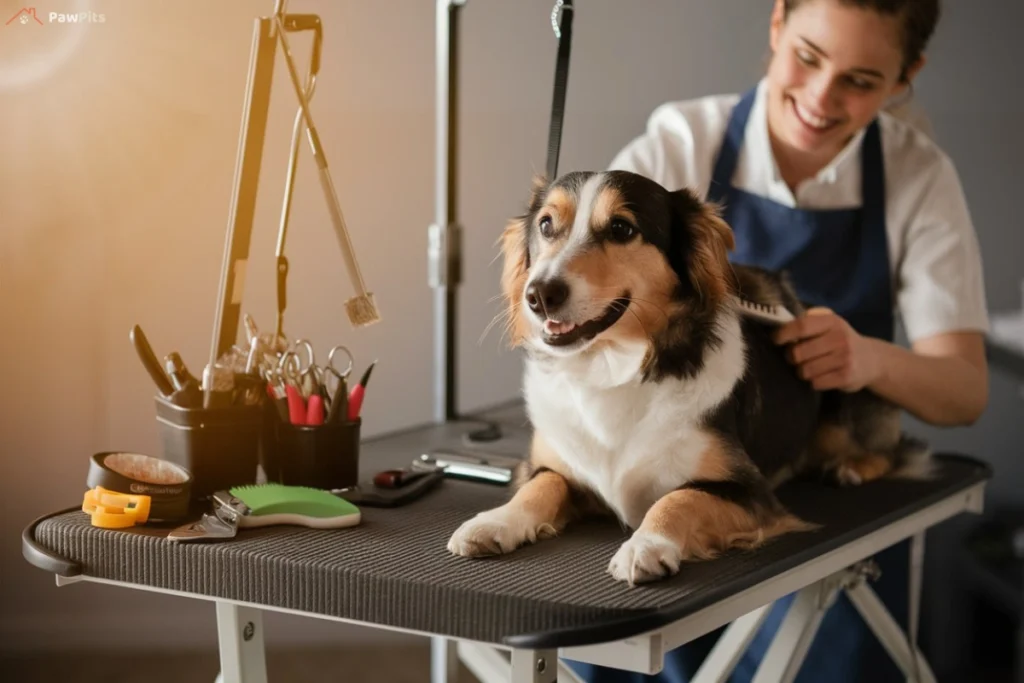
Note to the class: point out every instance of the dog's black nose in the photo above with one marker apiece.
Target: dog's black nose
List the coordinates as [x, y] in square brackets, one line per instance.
[547, 296]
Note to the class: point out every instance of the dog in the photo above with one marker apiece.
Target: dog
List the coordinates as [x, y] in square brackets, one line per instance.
[653, 398]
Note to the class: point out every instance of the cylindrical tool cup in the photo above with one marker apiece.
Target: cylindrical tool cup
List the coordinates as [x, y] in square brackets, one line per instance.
[320, 456]
[219, 446]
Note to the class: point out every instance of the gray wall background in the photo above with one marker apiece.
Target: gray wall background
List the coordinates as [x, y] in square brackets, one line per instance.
[115, 178]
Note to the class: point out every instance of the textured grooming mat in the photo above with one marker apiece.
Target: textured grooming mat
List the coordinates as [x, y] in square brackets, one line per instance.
[395, 570]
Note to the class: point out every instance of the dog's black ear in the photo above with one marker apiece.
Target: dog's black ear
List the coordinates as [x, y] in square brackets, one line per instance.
[701, 241]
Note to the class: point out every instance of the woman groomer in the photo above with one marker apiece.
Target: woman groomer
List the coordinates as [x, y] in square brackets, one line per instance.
[868, 216]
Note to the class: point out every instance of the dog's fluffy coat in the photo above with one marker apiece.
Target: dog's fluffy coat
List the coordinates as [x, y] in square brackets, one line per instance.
[651, 396]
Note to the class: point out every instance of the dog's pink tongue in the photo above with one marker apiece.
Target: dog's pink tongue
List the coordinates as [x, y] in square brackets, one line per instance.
[557, 327]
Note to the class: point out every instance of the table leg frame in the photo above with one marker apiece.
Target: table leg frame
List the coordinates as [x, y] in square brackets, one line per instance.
[240, 638]
[241, 641]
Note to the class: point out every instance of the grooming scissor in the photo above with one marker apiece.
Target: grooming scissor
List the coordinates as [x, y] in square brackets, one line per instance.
[338, 407]
[305, 384]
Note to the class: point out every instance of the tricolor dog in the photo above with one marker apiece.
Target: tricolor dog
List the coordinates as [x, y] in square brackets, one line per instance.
[652, 397]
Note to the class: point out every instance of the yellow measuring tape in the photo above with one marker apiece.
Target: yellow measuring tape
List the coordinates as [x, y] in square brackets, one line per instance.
[113, 510]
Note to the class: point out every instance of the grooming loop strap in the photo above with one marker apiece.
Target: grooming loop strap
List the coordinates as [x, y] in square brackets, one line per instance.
[561, 23]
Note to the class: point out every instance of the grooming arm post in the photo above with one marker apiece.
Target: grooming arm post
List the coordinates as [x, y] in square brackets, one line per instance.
[243, 200]
[444, 236]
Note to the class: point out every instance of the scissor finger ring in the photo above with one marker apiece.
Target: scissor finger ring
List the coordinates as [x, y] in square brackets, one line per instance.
[330, 361]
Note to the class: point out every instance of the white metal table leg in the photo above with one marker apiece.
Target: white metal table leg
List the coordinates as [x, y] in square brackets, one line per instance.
[534, 666]
[491, 665]
[444, 660]
[888, 632]
[916, 581]
[240, 636]
[488, 664]
[726, 653]
[786, 654]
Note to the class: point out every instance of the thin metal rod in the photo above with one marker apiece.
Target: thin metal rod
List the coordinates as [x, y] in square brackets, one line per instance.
[907, 657]
[729, 648]
[443, 250]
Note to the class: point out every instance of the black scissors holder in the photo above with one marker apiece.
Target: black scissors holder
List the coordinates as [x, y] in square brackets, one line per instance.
[219, 446]
[321, 456]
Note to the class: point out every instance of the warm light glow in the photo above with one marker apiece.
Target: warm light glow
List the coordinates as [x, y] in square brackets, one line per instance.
[99, 116]
[33, 45]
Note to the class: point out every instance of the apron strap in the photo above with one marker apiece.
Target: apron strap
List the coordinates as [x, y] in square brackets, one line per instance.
[872, 173]
[732, 142]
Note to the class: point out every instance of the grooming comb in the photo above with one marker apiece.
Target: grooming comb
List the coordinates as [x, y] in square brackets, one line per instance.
[361, 309]
[244, 507]
[769, 313]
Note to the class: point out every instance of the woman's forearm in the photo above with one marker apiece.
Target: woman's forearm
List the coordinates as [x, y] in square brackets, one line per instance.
[937, 388]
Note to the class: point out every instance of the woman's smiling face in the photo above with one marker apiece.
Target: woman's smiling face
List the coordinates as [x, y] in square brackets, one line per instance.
[834, 66]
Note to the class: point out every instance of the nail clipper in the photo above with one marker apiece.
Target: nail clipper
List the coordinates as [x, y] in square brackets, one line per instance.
[221, 523]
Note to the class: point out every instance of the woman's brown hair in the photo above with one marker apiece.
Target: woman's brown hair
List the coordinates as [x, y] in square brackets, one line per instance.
[918, 19]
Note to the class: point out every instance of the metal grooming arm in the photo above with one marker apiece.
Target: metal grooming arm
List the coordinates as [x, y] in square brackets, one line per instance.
[444, 248]
[247, 178]
[360, 308]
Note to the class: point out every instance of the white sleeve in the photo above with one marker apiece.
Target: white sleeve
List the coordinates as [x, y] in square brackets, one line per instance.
[645, 154]
[940, 280]
[678, 144]
[642, 155]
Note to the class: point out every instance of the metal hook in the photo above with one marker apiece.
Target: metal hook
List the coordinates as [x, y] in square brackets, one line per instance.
[560, 6]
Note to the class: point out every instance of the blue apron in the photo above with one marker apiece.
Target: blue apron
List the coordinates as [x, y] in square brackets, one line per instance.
[837, 258]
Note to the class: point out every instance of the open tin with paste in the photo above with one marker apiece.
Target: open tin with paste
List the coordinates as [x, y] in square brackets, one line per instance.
[168, 484]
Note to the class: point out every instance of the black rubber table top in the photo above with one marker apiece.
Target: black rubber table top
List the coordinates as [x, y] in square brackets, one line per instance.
[394, 568]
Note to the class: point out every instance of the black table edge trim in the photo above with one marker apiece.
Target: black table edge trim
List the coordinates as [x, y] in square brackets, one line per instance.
[619, 627]
[642, 622]
[43, 558]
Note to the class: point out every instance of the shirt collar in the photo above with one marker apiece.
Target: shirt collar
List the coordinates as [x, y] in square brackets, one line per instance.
[761, 148]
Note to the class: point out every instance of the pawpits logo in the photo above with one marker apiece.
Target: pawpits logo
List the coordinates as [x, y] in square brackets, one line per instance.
[29, 15]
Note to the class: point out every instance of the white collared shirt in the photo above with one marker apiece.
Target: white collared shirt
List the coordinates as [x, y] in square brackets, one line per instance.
[934, 256]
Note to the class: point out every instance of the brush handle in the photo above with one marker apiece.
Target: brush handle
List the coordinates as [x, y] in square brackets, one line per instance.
[355, 402]
[150, 361]
[315, 410]
[339, 404]
[338, 221]
[296, 406]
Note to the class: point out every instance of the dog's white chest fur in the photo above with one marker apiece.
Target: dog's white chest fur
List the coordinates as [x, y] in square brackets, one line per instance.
[630, 442]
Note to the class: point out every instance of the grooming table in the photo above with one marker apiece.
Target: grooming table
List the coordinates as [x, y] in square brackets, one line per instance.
[511, 617]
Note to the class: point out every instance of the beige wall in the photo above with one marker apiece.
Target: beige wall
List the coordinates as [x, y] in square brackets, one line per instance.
[116, 174]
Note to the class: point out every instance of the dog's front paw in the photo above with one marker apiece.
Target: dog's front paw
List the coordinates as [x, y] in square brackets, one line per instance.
[645, 557]
[495, 532]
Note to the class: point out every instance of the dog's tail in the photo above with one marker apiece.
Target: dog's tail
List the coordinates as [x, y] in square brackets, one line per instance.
[912, 459]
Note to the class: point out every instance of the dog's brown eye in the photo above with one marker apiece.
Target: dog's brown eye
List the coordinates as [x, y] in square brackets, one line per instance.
[621, 231]
[546, 227]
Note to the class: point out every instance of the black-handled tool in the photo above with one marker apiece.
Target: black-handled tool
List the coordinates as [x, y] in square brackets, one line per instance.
[187, 392]
[150, 361]
[338, 411]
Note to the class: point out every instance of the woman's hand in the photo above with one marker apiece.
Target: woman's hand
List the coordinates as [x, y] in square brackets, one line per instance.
[941, 380]
[828, 352]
